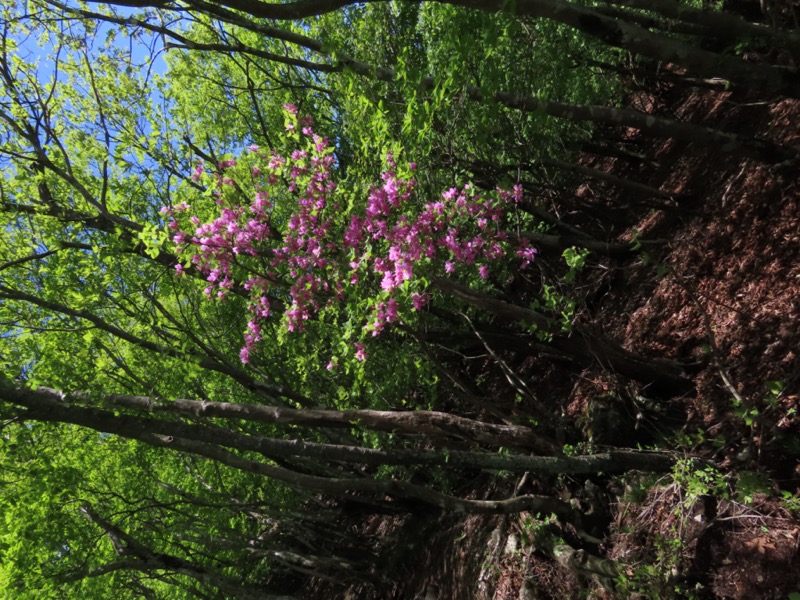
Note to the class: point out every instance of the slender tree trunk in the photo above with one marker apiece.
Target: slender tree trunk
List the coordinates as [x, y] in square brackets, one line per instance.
[583, 19]
[649, 124]
[219, 364]
[662, 376]
[626, 184]
[649, 21]
[599, 149]
[330, 567]
[720, 24]
[493, 172]
[135, 556]
[559, 243]
[716, 84]
[633, 38]
[47, 405]
[418, 422]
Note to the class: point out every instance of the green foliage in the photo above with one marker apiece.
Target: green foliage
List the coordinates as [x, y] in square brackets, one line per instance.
[556, 303]
[539, 531]
[99, 129]
[698, 480]
[576, 260]
[790, 501]
[49, 545]
[749, 484]
[433, 120]
[752, 413]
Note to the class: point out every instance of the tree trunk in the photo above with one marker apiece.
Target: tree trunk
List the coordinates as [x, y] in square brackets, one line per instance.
[626, 184]
[418, 422]
[633, 38]
[583, 19]
[48, 405]
[721, 25]
[661, 376]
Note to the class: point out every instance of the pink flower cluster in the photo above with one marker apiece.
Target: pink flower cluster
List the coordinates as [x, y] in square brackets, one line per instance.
[287, 237]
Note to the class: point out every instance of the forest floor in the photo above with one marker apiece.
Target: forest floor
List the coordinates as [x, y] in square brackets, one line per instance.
[721, 292]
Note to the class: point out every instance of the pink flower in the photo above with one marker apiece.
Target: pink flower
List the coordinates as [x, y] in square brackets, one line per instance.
[527, 254]
[450, 194]
[388, 281]
[419, 300]
[391, 311]
[322, 258]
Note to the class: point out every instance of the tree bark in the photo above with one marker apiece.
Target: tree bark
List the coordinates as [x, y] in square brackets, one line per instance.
[633, 38]
[135, 556]
[581, 18]
[51, 406]
[661, 376]
[721, 25]
[418, 422]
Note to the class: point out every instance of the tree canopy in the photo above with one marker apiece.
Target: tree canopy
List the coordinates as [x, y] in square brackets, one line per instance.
[265, 266]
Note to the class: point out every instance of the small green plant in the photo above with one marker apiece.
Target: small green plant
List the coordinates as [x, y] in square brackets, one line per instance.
[750, 413]
[653, 580]
[774, 389]
[688, 439]
[557, 303]
[635, 242]
[698, 481]
[576, 260]
[636, 246]
[791, 502]
[538, 532]
[638, 486]
[747, 413]
[749, 484]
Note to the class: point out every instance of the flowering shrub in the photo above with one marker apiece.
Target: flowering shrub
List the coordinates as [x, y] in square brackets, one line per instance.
[280, 231]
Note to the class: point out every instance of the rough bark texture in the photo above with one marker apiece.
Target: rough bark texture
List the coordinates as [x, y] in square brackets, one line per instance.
[720, 25]
[663, 376]
[419, 422]
[609, 30]
[639, 40]
[47, 405]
